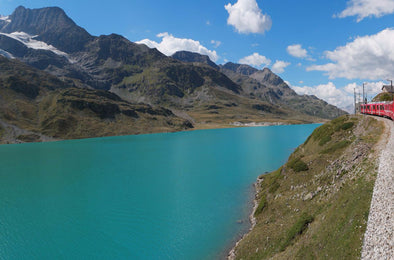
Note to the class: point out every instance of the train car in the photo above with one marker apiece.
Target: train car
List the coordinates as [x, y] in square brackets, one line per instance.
[384, 109]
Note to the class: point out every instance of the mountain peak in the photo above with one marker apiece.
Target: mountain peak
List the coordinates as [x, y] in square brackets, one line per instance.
[51, 24]
[187, 56]
[267, 76]
[240, 68]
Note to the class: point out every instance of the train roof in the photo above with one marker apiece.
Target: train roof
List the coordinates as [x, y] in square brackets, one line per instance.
[378, 102]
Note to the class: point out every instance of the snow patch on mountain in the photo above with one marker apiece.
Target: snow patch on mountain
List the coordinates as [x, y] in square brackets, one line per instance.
[6, 54]
[30, 42]
[5, 18]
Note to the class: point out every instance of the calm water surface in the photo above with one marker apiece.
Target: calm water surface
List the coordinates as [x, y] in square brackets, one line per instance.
[182, 195]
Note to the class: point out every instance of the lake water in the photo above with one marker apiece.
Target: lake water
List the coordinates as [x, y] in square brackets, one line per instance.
[183, 195]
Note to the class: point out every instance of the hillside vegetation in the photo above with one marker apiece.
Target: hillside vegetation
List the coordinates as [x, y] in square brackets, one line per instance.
[383, 97]
[35, 106]
[316, 206]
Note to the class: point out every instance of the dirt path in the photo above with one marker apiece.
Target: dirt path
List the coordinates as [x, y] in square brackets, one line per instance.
[379, 237]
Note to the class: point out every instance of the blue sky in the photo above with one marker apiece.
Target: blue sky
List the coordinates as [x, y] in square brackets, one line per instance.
[326, 48]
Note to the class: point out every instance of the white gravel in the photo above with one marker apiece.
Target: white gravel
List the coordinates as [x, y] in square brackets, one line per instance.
[379, 238]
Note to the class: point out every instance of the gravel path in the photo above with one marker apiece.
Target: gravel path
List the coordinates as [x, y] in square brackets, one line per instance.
[379, 237]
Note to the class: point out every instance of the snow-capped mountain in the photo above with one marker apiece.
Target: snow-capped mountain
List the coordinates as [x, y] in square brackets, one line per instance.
[50, 25]
[30, 42]
[5, 19]
[49, 40]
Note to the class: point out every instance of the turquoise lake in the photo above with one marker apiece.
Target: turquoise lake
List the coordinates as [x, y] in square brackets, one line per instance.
[184, 195]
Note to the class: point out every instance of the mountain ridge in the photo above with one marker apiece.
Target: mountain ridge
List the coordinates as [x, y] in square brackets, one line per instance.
[206, 93]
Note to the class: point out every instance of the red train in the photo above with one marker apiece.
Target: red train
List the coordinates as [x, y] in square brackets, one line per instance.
[384, 109]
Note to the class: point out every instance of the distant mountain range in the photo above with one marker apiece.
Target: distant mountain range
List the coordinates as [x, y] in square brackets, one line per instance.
[90, 76]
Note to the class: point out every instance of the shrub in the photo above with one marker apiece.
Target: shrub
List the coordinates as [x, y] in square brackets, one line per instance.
[262, 205]
[324, 140]
[272, 180]
[336, 146]
[297, 229]
[298, 165]
[347, 125]
[274, 186]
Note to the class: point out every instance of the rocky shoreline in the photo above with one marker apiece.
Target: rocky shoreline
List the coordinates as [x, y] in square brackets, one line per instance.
[257, 187]
[253, 124]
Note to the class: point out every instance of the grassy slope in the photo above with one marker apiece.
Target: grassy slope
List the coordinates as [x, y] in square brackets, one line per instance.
[78, 113]
[383, 97]
[33, 102]
[316, 206]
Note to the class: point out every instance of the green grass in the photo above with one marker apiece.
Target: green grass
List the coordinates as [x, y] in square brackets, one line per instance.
[383, 97]
[324, 140]
[262, 205]
[297, 229]
[332, 224]
[336, 146]
[272, 180]
[324, 134]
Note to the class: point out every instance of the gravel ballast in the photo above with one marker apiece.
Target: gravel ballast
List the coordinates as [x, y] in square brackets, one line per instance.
[379, 238]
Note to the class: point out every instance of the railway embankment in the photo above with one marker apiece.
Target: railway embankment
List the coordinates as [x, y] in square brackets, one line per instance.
[316, 206]
[379, 237]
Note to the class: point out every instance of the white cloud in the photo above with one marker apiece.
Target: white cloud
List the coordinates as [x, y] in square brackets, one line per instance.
[328, 92]
[367, 8]
[370, 88]
[349, 88]
[247, 17]
[170, 44]
[216, 43]
[368, 57]
[297, 51]
[256, 60]
[279, 66]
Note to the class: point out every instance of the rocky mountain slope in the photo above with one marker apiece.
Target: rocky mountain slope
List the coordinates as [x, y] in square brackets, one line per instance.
[188, 84]
[199, 59]
[36, 106]
[266, 86]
